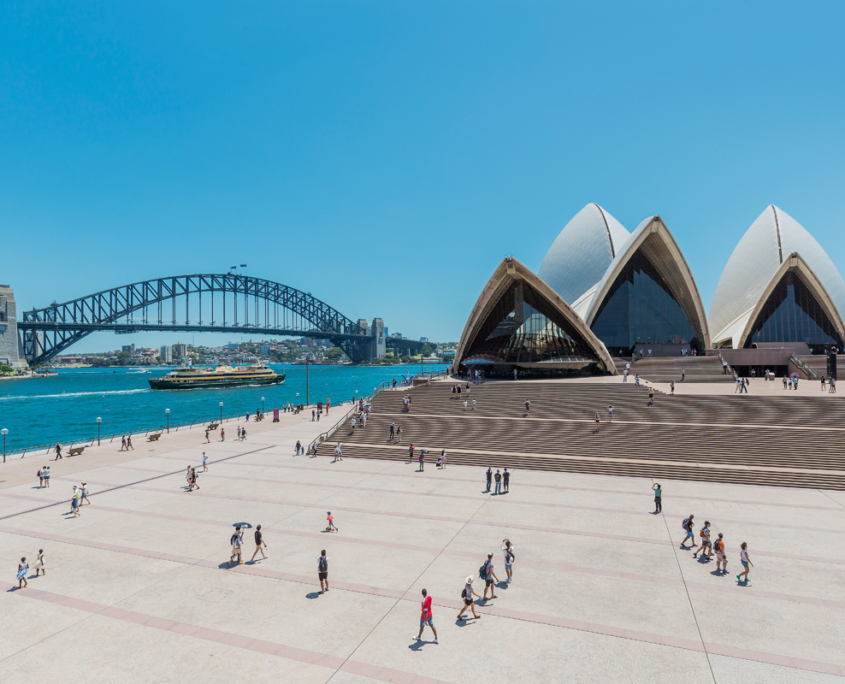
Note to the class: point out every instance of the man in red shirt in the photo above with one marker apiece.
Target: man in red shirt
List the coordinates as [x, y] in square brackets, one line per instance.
[426, 617]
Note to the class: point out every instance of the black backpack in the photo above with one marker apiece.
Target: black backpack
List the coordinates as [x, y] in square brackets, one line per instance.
[323, 564]
[482, 571]
[510, 554]
[464, 593]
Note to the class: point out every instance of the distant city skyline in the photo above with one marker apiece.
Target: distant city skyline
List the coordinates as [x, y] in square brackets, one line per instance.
[386, 156]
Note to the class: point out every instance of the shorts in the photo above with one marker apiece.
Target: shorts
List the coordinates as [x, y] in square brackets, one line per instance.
[468, 602]
[705, 544]
[323, 576]
[690, 535]
[489, 583]
[429, 622]
[508, 566]
[744, 564]
[721, 557]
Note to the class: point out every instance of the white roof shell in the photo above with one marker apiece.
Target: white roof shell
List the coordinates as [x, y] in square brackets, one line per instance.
[758, 257]
[581, 253]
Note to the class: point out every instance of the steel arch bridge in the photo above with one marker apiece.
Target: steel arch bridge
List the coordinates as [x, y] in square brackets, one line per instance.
[205, 303]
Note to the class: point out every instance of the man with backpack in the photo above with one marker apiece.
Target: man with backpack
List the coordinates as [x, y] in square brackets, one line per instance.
[706, 550]
[498, 478]
[323, 571]
[688, 526]
[507, 547]
[486, 573]
[721, 558]
[489, 478]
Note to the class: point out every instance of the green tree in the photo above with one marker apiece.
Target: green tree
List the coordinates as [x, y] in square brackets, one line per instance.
[6, 370]
[334, 353]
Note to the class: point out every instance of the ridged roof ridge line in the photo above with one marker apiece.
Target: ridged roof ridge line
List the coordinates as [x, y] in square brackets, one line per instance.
[607, 229]
[777, 230]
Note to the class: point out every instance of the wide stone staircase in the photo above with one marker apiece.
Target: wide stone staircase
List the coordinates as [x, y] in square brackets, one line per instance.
[791, 440]
[668, 368]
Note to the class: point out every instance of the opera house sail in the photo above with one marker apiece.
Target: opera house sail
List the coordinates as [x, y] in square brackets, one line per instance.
[519, 321]
[632, 290]
[779, 287]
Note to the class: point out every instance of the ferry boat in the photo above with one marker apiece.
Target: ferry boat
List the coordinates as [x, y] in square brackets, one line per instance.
[219, 376]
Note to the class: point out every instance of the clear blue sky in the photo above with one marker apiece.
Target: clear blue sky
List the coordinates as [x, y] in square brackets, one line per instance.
[385, 156]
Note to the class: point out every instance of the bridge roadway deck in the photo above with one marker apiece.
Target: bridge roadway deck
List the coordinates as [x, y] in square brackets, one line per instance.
[137, 588]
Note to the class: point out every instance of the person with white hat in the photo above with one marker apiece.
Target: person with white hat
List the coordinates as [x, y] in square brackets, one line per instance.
[469, 602]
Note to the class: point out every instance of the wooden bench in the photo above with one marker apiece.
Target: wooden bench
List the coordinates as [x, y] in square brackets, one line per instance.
[154, 437]
[75, 451]
[213, 426]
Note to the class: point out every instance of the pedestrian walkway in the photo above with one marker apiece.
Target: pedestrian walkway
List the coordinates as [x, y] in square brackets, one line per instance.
[139, 583]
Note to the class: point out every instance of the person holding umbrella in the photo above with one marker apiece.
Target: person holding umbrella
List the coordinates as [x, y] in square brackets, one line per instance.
[237, 541]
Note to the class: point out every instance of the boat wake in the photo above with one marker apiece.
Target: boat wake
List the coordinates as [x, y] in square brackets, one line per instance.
[72, 394]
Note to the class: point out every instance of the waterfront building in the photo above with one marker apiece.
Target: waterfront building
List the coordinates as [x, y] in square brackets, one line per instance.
[11, 349]
[166, 354]
[778, 287]
[129, 348]
[519, 320]
[180, 350]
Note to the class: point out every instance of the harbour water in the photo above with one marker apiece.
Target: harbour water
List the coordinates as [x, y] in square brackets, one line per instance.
[66, 407]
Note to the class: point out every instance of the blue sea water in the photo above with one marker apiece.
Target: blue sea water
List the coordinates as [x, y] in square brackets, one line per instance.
[65, 407]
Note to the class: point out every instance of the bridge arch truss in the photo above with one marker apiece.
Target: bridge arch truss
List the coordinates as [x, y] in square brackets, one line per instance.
[191, 303]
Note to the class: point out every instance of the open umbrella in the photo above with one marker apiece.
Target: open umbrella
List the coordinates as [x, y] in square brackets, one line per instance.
[242, 525]
[795, 375]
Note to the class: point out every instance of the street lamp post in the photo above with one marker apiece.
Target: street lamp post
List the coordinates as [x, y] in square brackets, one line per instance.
[307, 384]
[297, 400]
[99, 420]
[262, 404]
[167, 413]
[5, 432]
[221, 411]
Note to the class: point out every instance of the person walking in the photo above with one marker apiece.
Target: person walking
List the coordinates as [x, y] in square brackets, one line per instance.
[658, 498]
[650, 396]
[222, 434]
[443, 458]
[188, 478]
[47, 476]
[83, 497]
[236, 541]
[672, 388]
[392, 432]
[194, 478]
[129, 443]
[721, 558]
[422, 460]
[40, 474]
[353, 425]
[207, 437]
[598, 423]
[690, 534]
[123, 441]
[506, 480]
[705, 549]
[489, 478]
[297, 448]
[498, 478]
[467, 594]
[260, 544]
[746, 562]
[507, 547]
[337, 453]
[486, 573]
[398, 434]
[323, 571]
[23, 568]
[58, 451]
[426, 618]
[243, 434]
[38, 565]
[331, 526]
[610, 414]
[683, 375]
[411, 454]
[74, 502]
[527, 407]
[204, 462]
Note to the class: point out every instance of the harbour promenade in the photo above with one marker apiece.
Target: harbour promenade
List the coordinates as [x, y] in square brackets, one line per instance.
[138, 589]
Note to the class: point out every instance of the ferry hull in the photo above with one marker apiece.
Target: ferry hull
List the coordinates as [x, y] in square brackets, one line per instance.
[162, 383]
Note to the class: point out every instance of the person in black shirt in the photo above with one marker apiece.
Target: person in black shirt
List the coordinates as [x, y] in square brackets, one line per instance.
[260, 544]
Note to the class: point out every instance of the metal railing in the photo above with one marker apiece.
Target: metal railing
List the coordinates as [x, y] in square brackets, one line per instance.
[809, 372]
[730, 368]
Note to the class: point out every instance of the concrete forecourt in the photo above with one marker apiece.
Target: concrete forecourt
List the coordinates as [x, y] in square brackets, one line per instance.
[138, 589]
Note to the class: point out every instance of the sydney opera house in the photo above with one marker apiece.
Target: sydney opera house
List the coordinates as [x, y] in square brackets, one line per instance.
[603, 293]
